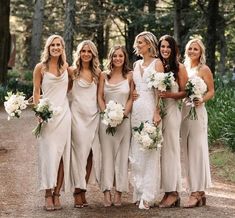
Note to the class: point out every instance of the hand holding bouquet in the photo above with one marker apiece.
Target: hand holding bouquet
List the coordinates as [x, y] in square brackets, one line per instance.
[14, 104]
[162, 82]
[195, 89]
[148, 136]
[44, 110]
[112, 116]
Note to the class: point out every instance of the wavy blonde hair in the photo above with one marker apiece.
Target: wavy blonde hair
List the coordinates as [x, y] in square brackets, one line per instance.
[202, 60]
[125, 67]
[150, 39]
[45, 57]
[94, 64]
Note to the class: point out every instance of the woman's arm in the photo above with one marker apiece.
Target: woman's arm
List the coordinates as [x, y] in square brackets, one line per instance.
[101, 100]
[129, 102]
[206, 74]
[71, 77]
[37, 79]
[182, 80]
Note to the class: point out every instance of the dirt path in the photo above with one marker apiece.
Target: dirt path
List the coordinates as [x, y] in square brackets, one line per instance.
[18, 184]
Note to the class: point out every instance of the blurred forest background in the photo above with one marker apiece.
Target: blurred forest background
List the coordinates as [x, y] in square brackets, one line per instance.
[25, 25]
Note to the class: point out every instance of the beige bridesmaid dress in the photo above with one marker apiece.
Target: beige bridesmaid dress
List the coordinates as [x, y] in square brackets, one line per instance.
[54, 142]
[170, 159]
[85, 122]
[194, 143]
[115, 149]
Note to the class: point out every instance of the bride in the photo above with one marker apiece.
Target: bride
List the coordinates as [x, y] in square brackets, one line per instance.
[145, 165]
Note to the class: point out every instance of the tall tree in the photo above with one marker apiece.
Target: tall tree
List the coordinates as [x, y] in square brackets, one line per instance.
[211, 12]
[4, 39]
[69, 29]
[181, 25]
[212, 20]
[36, 33]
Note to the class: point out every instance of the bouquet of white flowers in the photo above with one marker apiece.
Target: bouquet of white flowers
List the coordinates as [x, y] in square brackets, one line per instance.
[148, 136]
[112, 116]
[195, 89]
[14, 104]
[44, 110]
[161, 82]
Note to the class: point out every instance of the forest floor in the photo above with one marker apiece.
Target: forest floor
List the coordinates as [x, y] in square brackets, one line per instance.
[18, 184]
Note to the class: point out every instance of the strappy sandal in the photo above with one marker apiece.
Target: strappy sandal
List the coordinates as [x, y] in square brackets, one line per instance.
[49, 207]
[84, 201]
[77, 196]
[164, 198]
[173, 203]
[56, 206]
[196, 198]
[203, 195]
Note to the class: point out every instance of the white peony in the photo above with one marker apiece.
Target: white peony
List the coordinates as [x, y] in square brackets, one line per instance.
[14, 104]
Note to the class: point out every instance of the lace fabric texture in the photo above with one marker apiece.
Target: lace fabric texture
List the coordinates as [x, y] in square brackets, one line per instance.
[145, 165]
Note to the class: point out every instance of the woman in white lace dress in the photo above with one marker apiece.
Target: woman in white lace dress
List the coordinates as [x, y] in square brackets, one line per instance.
[145, 165]
[194, 132]
[170, 160]
[116, 84]
[51, 76]
[85, 152]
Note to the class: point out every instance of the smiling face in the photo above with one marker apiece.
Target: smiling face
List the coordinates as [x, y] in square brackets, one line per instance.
[118, 58]
[194, 51]
[165, 49]
[142, 46]
[86, 54]
[56, 48]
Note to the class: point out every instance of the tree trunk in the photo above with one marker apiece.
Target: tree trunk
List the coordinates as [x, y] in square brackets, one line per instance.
[177, 20]
[212, 17]
[4, 39]
[151, 17]
[69, 29]
[222, 44]
[100, 31]
[37, 33]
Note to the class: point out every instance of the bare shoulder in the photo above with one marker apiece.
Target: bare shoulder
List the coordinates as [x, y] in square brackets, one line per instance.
[38, 68]
[136, 62]
[71, 70]
[103, 74]
[159, 65]
[205, 71]
[99, 72]
[130, 75]
[181, 66]
[65, 66]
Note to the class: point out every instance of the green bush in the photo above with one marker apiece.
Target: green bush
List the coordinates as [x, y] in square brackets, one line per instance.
[15, 85]
[28, 76]
[221, 113]
[17, 82]
[3, 93]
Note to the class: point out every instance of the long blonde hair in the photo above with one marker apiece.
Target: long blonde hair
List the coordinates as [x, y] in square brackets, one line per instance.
[202, 60]
[45, 57]
[150, 39]
[94, 64]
